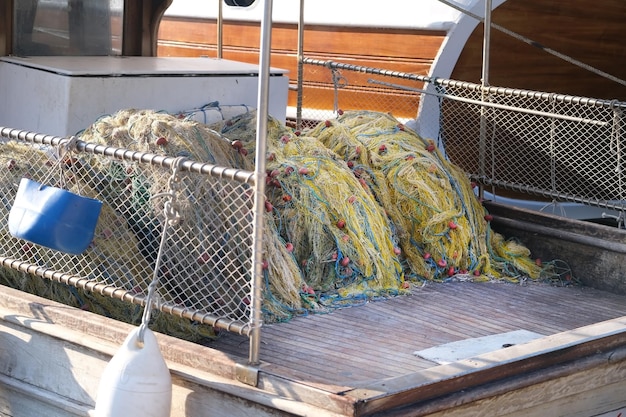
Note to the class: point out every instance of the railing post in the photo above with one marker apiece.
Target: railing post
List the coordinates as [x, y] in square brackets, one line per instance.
[259, 196]
[220, 29]
[482, 152]
[300, 79]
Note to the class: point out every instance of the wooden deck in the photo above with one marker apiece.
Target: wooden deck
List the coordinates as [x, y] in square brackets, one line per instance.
[353, 346]
[360, 361]
[356, 361]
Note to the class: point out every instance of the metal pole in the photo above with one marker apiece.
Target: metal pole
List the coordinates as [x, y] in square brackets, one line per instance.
[220, 27]
[486, 43]
[482, 149]
[300, 80]
[259, 195]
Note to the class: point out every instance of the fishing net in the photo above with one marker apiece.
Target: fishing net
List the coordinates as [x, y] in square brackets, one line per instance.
[327, 229]
[355, 208]
[442, 228]
[210, 226]
[104, 258]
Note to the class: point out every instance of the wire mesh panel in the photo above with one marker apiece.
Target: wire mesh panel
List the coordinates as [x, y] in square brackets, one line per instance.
[562, 148]
[551, 145]
[204, 259]
[329, 89]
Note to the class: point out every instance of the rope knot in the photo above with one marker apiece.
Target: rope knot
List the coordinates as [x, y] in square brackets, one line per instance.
[172, 218]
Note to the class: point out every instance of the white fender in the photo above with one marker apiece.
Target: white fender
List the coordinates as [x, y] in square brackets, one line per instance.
[136, 382]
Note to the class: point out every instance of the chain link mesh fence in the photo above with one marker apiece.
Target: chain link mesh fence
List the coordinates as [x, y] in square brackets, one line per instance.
[333, 86]
[204, 259]
[544, 144]
[551, 146]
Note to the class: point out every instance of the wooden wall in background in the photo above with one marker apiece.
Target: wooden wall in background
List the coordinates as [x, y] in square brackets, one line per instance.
[393, 49]
[590, 32]
[593, 32]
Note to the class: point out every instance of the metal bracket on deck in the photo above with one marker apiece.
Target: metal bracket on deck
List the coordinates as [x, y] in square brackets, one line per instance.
[247, 374]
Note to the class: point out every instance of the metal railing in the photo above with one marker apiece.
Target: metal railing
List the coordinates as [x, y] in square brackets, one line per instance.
[206, 271]
[552, 146]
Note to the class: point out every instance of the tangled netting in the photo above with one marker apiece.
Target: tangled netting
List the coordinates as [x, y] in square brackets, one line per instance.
[364, 206]
[113, 232]
[441, 227]
[356, 208]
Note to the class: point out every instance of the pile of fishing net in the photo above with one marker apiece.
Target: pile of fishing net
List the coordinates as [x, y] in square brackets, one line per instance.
[365, 205]
[328, 242]
[442, 228]
[356, 208]
[208, 230]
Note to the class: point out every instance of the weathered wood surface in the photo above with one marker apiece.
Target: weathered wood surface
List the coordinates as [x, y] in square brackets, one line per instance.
[595, 253]
[377, 340]
[591, 33]
[352, 362]
[52, 356]
[359, 361]
[592, 391]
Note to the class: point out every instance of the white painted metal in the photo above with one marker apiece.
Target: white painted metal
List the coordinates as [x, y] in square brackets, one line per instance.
[445, 61]
[427, 14]
[63, 95]
[468, 348]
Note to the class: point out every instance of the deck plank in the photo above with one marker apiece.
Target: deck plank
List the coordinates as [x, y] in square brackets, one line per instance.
[378, 339]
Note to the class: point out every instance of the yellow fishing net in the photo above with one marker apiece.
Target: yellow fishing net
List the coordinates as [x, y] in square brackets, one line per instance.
[120, 268]
[355, 208]
[332, 243]
[442, 228]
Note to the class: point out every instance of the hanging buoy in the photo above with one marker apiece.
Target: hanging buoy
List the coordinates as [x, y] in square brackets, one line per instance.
[136, 382]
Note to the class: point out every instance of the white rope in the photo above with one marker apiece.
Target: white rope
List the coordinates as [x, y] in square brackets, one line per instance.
[339, 81]
[64, 148]
[172, 218]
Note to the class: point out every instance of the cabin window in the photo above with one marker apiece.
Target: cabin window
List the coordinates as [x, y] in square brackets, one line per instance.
[68, 27]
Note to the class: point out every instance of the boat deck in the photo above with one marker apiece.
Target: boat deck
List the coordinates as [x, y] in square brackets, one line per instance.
[356, 361]
[361, 344]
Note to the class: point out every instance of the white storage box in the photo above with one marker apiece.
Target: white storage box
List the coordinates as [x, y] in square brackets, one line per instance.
[64, 95]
